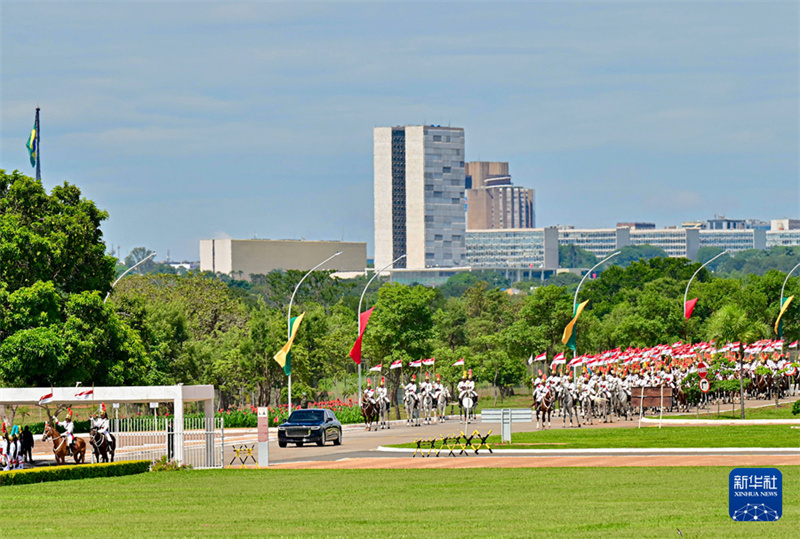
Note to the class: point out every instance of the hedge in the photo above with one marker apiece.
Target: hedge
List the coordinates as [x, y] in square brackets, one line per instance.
[83, 471]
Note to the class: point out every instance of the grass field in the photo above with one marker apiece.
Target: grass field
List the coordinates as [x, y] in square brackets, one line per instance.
[498, 503]
[768, 412]
[734, 436]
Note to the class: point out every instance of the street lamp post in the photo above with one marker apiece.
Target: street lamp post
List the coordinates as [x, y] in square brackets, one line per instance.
[142, 261]
[360, 301]
[575, 301]
[289, 314]
[786, 280]
[686, 294]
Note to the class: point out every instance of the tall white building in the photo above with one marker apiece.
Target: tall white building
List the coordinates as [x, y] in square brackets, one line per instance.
[419, 196]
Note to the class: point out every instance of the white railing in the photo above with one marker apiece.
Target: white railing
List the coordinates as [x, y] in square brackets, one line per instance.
[150, 438]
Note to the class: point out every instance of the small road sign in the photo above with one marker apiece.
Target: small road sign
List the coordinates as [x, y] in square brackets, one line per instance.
[702, 370]
[705, 385]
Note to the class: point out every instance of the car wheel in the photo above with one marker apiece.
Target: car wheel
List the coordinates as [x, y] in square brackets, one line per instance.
[281, 444]
[338, 440]
[322, 440]
[299, 444]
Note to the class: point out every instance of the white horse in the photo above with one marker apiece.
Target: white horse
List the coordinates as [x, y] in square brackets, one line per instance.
[567, 404]
[384, 413]
[468, 403]
[428, 410]
[412, 402]
[441, 403]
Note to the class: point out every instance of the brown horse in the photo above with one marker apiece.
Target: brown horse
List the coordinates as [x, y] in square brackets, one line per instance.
[370, 411]
[544, 407]
[101, 447]
[60, 449]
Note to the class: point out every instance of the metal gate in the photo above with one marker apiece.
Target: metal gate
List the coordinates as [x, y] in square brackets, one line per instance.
[150, 438]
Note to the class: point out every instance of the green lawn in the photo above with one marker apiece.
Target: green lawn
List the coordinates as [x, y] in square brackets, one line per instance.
[783, 412]
[733, 436]
[614, 503]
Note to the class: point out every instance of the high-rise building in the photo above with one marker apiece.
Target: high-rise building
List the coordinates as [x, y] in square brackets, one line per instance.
[419, 196]
[493, 202]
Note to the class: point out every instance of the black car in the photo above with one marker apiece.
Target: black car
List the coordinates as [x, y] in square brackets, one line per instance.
[310, 425]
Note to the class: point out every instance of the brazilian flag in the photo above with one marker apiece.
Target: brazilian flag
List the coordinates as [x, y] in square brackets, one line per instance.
[31, 145]
[284, 356]
[569, 331]
[779, 323]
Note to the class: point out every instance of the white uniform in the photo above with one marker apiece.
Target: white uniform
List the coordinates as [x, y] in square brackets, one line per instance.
[369, 394]
[102, 424]
[68, 427]
[381, 394]
[411, 389]
[462, 386]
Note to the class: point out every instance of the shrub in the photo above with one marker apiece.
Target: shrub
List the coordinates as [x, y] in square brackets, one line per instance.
[164, 464]
[84, 471]
[796, 407]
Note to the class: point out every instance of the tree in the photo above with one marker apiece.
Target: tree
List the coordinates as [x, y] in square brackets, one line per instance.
[54, 327]
[634, 253]
[572, 256]
[137, 255]
[54, 237]
[731, 324]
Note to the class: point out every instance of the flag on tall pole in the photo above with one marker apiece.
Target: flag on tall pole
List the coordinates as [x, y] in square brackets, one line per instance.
[33, 145]
[569, 331]
[283, 357]
[355, 352]
[779, 323]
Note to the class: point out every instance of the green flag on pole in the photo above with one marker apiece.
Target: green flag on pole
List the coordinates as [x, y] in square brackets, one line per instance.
[284, 357]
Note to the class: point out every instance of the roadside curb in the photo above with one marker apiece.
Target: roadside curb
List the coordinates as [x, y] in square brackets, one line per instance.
[627, 452]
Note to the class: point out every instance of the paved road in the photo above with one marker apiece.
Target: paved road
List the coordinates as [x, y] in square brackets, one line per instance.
[359, 443]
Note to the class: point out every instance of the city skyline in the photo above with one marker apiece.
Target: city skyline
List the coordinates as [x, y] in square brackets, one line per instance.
[232, 119]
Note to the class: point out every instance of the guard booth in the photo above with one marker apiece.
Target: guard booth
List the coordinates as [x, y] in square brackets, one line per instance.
[195, 441]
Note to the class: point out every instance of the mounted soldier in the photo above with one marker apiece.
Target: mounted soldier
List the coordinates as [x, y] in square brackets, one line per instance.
[369, 393]
[69, 429]
[411, 400]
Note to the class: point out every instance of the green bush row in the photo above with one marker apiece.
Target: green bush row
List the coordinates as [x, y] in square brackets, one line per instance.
[63, 473]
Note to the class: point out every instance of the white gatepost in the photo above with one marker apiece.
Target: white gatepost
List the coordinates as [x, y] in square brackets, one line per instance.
[178, 425]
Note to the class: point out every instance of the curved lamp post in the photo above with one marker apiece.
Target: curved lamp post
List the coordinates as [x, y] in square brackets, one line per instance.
[142, 261]
[359, 312]
[686, 294]
[786, 280]
[289, 313]
[575, 301]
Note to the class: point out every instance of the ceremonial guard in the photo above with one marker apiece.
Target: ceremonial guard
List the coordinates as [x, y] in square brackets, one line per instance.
[381, 392]
[437, 388]
[411, 387]
[462, 386]
[102, 423]
[425, 387]
[369, 393]
[69, 428]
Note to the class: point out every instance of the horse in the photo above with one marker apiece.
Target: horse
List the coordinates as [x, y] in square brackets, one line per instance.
[428, 409]
[619, 402]
[568, 406]
[60, 448]
[544, 406]
[383, 411]
[370, 411]
[586, 406]
[441, 403]
[411, 401]
[468, 403]
[102, 448]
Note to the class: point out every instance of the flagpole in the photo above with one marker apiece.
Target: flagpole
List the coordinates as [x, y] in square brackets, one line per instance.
[38, 149]
[686, 294]
[575, 300]
[289, 318]
[358, 315]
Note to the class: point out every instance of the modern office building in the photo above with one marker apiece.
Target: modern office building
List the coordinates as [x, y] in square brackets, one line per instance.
[783, 238]
[637, 226]
[676, 242]
[734, 240]
[513, 248]
[784, 224]
[242, 258]
[419, 196]
[599, 241]
[493, 202]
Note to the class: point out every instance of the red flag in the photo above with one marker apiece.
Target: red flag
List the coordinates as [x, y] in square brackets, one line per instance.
[355, 352]
[688, 308]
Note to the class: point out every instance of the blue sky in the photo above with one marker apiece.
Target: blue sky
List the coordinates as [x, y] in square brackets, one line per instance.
[196, 120]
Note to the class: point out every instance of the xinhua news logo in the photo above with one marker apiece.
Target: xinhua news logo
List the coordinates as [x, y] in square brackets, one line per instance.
[755, 494]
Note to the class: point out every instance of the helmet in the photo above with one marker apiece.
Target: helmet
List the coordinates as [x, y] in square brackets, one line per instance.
[369, 382]
[383, 381]
[413, 377]
[470, 373]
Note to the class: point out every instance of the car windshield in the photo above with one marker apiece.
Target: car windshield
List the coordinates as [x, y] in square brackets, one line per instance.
[307, 416]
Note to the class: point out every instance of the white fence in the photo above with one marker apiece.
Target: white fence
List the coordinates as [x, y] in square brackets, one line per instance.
[150, 438]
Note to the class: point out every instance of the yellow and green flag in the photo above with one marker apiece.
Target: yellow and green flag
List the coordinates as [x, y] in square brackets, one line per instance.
[569, 331]
[284, 357]
[31, 145]
[779, 322]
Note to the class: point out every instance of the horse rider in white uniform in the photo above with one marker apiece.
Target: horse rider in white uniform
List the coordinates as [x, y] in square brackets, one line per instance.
[381, 393]
[69, 429]
[369, 393]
